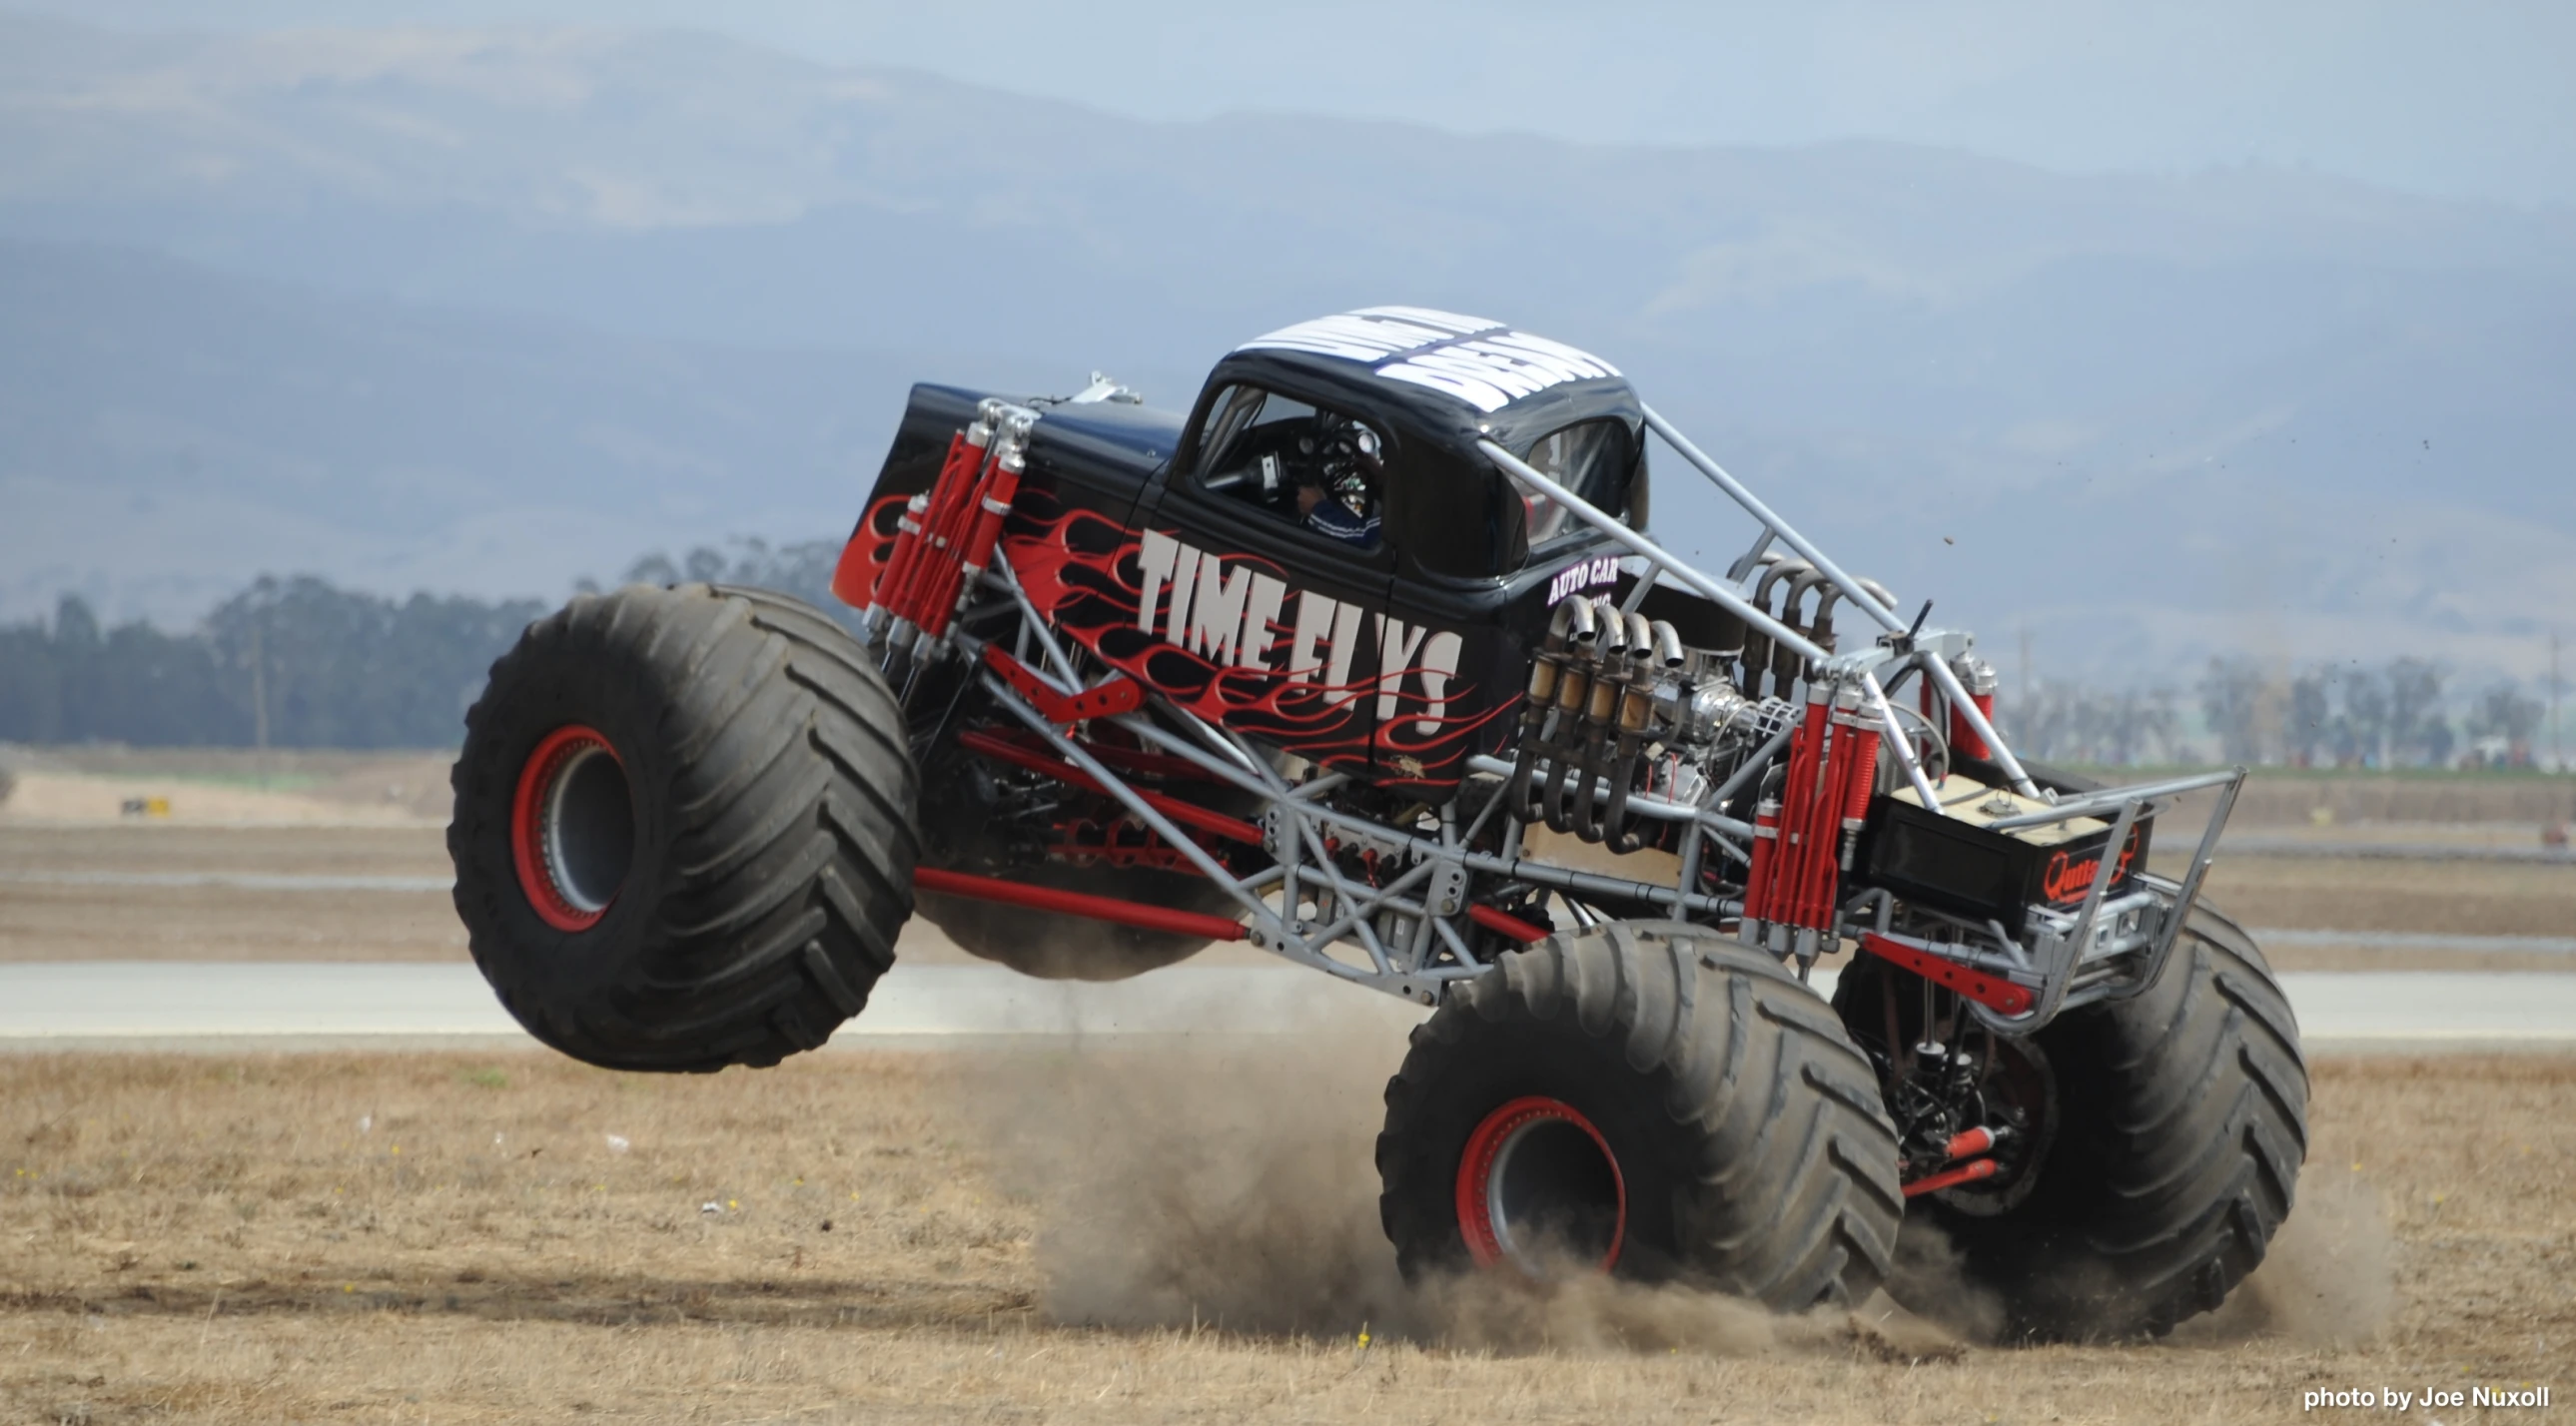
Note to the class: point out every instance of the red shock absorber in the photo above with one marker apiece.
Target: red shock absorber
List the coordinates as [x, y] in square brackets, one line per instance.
[887, 591]
[1798, 797]
[1857, 735]
[1783, 836]
[952, 515]
[944, 577]
[913, 535]
[992, 507]
[1825, 819]
[1978, 677]
[1860, 779]
[1757, 877]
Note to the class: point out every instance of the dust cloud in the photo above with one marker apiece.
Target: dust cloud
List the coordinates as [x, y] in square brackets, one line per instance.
[1929, 1269]
[2330, 1279]
[1232, 1186]
[1225, 1185]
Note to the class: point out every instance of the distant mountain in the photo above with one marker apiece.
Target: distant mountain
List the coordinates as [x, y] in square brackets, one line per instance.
[472, 305]
[165, 431]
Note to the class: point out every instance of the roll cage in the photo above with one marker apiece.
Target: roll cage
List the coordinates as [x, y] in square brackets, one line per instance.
[1407, 898]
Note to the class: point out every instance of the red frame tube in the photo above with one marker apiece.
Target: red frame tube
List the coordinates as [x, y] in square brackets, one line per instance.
[1188, 814]
[1951, 1178]
[1977, 985]
[1076, 903]
[1123, 759]
[1504, 923]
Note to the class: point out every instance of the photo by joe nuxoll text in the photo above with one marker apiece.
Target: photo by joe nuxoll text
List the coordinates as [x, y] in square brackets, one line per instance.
[2425, 1398]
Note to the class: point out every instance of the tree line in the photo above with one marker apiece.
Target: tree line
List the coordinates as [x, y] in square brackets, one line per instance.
[2406, 712]
[2398, 714]
[302, 663]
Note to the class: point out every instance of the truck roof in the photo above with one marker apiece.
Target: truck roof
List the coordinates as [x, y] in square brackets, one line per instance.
[1463, 376]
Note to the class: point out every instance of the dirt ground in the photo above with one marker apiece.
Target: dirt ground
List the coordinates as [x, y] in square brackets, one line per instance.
[1083, 1237]
[87, 893]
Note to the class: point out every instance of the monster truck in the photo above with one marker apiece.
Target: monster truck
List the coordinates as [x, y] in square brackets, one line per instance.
[1369, 660]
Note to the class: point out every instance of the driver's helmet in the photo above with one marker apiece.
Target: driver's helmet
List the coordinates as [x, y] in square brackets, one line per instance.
[1350, 460]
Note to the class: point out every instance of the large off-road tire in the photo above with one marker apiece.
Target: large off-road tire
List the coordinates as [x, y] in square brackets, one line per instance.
[2180, 1125]
[1647, 1096]
[684, 828]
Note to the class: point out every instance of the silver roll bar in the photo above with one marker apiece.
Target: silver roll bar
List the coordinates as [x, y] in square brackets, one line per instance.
[1851, 588]
[2111, 798]
[1710, 589]
[1896, 738]
[1966, 707]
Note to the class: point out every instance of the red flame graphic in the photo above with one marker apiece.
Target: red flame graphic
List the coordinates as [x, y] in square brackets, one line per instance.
[1083, 572]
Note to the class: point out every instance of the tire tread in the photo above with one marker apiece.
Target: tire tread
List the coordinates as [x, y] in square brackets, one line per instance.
[792, 843]
[1793, 1197]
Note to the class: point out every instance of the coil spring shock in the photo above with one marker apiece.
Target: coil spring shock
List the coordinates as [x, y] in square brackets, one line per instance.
[947, 535]
[1804, 835]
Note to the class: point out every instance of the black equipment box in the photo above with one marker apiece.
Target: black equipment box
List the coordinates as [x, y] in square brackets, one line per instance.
[1956, 863]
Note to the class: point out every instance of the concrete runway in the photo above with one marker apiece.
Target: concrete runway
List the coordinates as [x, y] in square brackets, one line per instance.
[163, 1005]
[289, 883]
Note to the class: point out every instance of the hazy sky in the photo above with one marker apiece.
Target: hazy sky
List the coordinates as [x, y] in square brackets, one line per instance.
[2465, 99]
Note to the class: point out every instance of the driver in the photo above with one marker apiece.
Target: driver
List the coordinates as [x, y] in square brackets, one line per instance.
[1337, 496]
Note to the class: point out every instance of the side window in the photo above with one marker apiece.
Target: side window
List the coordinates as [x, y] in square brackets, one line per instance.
[1454, 515]
[1591, 458]
[1315, 468]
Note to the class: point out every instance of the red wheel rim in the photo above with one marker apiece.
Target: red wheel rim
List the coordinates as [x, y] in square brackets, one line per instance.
[1480, 1170]
[535, 833]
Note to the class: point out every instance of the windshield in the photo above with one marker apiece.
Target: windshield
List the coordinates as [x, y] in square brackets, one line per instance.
[1589, 458]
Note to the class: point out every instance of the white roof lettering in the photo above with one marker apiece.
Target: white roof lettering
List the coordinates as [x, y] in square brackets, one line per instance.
[1483, 363]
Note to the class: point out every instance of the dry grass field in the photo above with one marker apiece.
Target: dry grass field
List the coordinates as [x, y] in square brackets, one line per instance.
[1138, 1237]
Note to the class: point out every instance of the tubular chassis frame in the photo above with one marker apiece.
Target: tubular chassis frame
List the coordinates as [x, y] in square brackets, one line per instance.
[1409, 935]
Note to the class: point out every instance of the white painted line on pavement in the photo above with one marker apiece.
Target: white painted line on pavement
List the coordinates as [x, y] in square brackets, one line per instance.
[139, 1002]
[127, 1000]
[235, 880]
[2414, 941]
